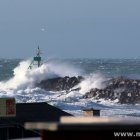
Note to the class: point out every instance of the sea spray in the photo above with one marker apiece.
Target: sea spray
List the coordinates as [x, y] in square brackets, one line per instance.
[71, 102]
[19, 78]
[25, 78]
[96, 80]
[61, 68]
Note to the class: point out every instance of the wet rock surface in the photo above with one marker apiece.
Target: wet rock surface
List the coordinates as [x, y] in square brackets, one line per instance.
[123, 89]
[60, 83]
[126, 91]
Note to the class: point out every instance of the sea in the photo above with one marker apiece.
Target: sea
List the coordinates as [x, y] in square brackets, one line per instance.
[18, 81]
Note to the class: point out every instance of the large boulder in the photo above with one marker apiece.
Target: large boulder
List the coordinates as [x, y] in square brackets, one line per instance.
[60, 83]
[124, 89]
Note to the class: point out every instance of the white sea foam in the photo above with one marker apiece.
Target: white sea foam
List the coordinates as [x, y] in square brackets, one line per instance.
[25, 78]
[96, 80]
[21, 86]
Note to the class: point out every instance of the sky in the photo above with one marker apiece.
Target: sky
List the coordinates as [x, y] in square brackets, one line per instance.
[70, 28]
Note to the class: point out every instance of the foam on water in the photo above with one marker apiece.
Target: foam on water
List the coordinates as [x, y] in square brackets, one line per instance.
[92, 81]
[22, 87]
[26, 78]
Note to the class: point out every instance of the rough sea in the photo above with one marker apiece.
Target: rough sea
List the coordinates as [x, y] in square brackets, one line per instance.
[16, 80]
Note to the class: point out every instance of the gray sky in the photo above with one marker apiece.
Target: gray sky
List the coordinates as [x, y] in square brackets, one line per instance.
[70, 28]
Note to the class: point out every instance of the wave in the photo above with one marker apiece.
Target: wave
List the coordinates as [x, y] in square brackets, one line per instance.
[22, 86]
[25, 78]
[92, 81]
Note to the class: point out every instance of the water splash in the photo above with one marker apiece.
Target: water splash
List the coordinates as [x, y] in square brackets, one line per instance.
[25, 78]
[92, 81]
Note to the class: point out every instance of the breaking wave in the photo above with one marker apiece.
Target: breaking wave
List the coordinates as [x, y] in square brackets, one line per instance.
[92, 81]
[22, 87]
[25, 78]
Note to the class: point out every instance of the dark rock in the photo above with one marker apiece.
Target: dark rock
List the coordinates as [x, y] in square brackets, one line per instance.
[60, 83]
[127, 91]
[121, 88]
